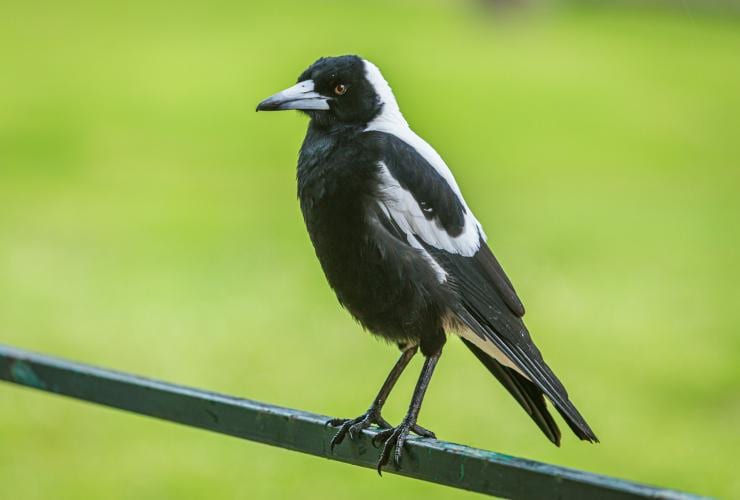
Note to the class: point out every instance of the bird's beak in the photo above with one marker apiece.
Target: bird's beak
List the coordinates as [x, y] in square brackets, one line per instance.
[300, 96]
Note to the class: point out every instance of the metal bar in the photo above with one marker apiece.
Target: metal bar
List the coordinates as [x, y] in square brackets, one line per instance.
[426, 459]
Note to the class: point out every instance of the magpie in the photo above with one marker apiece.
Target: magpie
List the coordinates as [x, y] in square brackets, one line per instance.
[403, 251]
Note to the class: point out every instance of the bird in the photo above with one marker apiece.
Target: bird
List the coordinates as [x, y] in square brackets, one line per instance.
[404, 253]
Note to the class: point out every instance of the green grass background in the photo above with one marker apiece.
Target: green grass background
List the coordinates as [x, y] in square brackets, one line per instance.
[148, 223]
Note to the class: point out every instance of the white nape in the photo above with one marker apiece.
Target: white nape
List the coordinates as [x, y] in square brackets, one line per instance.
[391, 121]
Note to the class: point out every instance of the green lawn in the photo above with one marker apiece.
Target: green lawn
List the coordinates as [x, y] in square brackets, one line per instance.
[148, 223]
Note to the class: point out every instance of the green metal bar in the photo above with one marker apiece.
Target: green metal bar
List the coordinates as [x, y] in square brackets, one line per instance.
[426, 459]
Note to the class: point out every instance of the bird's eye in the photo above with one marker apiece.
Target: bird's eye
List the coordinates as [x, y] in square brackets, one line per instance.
[340, 89]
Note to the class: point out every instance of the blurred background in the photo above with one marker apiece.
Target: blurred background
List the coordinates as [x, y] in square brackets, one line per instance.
[149, 223]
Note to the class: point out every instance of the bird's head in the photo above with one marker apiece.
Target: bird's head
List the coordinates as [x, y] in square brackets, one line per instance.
[338, 90]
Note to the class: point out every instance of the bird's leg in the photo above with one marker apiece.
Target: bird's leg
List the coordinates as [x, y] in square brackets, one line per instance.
[395, 438]
[372, 416]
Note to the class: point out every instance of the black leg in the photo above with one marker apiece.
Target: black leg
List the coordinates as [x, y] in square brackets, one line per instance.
[372, 416]
[395, 438]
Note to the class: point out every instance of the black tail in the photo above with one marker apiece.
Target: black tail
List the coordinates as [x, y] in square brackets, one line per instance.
[530, 394]
[525, 392]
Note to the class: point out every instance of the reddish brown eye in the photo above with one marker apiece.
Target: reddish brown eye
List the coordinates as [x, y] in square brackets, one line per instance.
[340, 89]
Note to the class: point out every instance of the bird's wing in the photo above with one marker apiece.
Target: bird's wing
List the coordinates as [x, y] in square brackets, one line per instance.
[424, 207]
[417, 191]
[491, 325]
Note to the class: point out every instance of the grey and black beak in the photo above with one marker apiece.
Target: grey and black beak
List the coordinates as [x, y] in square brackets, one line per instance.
[300, 96]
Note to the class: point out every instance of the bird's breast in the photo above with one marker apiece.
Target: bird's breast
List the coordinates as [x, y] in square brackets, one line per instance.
[386, 284]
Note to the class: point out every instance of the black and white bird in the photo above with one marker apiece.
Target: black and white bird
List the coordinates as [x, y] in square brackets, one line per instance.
[402, 249]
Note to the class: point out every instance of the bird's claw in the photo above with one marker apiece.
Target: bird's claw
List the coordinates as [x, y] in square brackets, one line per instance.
[353, 426]
[393, 440]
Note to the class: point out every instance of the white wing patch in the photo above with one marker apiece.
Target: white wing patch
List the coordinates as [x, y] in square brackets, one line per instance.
[402, 206]
[413, 242]
[405, 211]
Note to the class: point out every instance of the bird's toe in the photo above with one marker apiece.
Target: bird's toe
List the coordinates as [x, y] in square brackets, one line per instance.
[382, 423]
[423, 432]
[382, 436]
[394, 440]
[398, 448]
[341, 433]
[355, 426]
[335, 422]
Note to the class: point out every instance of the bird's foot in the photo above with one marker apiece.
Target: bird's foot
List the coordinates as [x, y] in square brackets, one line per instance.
[394, 439]
[353, 426]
